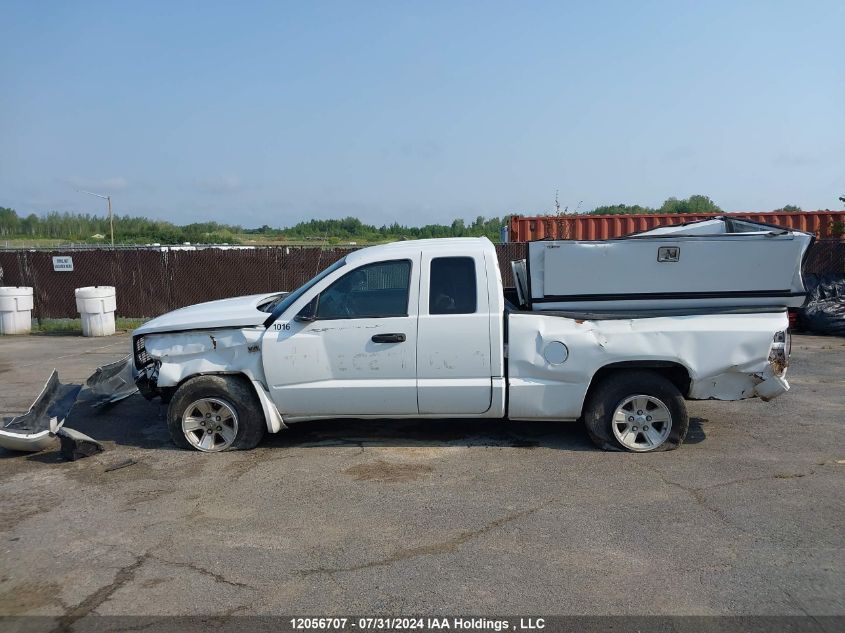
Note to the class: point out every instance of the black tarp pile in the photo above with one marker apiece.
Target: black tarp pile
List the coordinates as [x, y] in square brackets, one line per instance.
[824, 311]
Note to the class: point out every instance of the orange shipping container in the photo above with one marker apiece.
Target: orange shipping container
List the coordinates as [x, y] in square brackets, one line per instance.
[602, 227]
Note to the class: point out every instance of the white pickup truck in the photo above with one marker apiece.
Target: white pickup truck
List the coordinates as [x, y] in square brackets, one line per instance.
[424, 329]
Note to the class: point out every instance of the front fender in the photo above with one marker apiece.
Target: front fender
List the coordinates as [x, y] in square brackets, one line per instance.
[180, 356]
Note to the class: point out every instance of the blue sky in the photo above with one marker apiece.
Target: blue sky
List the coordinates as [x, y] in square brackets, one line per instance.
[418, 112]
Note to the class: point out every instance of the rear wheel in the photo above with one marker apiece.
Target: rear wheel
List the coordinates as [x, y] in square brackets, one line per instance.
[215, 413]
[637, 411]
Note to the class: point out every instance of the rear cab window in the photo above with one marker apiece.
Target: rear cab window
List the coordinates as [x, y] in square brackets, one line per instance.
[453, 287]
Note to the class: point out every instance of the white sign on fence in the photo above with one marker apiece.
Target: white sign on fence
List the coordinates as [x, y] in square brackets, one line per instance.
[63, 264]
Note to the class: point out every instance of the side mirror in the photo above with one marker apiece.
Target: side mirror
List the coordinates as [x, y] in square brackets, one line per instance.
[308, 313]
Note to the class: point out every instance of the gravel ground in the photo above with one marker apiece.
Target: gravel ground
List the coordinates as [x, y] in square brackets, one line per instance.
[448, 516]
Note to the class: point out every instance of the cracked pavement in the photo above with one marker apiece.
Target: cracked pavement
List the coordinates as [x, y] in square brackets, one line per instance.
[421, 516]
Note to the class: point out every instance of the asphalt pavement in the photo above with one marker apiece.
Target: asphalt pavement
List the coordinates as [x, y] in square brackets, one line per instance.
[449, 516]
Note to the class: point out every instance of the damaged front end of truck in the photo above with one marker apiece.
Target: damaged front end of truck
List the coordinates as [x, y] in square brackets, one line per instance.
[218, 337]
[163, 360]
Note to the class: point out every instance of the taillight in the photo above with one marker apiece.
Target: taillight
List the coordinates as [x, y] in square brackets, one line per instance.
[779, 352]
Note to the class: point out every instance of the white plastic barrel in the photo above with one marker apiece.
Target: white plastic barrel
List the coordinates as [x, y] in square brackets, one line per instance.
[15, 310]
[96, 305]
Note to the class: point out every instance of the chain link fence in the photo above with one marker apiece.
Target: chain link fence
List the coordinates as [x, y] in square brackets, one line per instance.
[149, 282]
[826, 257]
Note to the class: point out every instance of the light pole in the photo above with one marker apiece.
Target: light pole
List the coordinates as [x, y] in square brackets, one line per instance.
[111, 217]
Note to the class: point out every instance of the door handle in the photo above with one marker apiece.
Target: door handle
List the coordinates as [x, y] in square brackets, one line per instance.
[397, 337]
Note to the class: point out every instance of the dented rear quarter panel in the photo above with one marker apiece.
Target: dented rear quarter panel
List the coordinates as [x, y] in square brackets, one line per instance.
[725, 355]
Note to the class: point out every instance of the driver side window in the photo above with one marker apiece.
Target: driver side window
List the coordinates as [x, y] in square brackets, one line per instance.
[371, 291]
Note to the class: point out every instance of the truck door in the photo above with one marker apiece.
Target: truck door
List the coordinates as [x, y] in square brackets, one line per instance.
[453, 336]
[355, 351]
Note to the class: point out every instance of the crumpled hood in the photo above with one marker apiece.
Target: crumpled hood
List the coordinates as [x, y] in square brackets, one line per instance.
[235, 312]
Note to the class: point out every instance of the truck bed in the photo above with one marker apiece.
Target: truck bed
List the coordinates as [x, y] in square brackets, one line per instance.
[552, 356]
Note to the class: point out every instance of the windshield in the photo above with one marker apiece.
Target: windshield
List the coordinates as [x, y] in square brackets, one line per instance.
[284, 302]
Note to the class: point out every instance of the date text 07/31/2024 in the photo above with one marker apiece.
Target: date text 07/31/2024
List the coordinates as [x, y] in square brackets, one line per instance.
[416, 624]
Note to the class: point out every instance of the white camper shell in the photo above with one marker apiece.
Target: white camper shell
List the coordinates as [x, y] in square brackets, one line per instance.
[723, 263]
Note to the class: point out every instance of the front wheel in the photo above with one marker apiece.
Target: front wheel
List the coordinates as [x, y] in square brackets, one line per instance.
[637, 411]
[215, 413]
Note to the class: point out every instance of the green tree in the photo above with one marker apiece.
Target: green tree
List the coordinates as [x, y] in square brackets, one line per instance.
[9, 222]
[80, 227]
[621, 209]
[694, 204]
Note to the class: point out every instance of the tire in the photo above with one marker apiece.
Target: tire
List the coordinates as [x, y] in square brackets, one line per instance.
[638, 428]
[227, 405]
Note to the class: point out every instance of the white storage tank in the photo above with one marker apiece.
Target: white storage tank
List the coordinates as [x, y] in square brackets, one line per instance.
[96, 305]
[15, 310]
